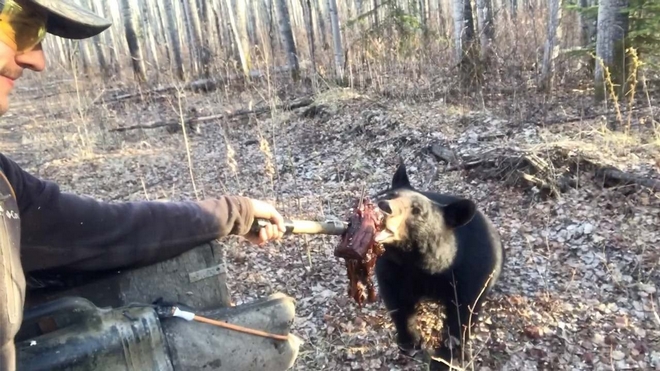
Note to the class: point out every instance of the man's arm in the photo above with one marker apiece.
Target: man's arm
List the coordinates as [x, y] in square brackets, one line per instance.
[59, 229]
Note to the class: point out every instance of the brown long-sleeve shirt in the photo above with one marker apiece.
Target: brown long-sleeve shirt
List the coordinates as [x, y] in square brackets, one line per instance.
[43, 228]
[62, 230]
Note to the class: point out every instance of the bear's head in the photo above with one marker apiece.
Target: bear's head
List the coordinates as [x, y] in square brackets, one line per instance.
[410, 216]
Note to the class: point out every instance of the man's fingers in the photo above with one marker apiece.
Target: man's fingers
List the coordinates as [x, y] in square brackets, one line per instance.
[279, 221]
[276, 219]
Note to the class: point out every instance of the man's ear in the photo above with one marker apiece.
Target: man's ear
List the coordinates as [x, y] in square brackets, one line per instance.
[459, 213]
[400, 178]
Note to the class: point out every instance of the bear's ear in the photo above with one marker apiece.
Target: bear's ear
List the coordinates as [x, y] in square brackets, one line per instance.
[459, 213]
[400, 178]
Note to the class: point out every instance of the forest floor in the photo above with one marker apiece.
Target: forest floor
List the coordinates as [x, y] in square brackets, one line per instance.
[580, 284]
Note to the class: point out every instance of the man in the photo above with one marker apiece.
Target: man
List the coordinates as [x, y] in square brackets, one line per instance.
[44, 228]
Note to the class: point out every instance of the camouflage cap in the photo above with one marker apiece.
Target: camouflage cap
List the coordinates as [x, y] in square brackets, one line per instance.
[70, 20]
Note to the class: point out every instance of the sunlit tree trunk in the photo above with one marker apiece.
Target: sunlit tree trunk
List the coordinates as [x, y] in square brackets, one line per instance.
[336, 39]
[132, 32]
[551, 50]
[610, 47]
[287, 37]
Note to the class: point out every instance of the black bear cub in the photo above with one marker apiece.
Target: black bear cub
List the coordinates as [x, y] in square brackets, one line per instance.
[437, 247]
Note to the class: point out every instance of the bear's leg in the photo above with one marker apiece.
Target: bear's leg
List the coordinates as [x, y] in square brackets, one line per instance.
[460, 323]
[400, 300]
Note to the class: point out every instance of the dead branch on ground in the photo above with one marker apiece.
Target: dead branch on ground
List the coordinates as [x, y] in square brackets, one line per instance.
[551, 171]
[175, 123]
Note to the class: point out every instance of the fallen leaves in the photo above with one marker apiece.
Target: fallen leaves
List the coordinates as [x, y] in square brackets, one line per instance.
[579, 289]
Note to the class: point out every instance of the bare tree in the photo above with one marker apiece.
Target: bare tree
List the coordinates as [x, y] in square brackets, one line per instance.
[239, 36]
[486, 27]
[100, 54]
[587, 24]
[150, 25]
[551, 50]
[610, 47]
[132, 31]
[464, 39]
[336, 39]
[309, 26]
[320, 19]
[287, 37]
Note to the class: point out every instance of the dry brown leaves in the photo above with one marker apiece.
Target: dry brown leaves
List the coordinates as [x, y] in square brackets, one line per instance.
[580, 285]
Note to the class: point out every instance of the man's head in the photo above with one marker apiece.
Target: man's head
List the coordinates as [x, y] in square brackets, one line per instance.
[23, 26]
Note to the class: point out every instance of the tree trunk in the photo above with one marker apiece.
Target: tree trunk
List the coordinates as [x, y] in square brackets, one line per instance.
[442, 27]
[150, 24]
[486, 27]
[464, 42]
[201, 18]
[587, 28]
[551, 50]
[174, 41]
[100, 54]
[320, 19]
[132, 32]
[309, 26]
[242, 53]
[287, 38]
[459, 27]
[187, 28]
[336, 38]
[610, 48]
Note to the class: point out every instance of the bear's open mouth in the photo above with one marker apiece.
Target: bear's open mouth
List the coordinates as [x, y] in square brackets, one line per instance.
[383, 235]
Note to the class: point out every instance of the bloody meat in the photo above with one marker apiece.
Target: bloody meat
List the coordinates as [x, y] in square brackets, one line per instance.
[360, 250]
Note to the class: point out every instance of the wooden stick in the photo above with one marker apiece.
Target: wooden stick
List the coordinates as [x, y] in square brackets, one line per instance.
[240, 328]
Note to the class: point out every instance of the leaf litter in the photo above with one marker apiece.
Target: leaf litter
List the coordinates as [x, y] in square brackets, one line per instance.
[579, 288]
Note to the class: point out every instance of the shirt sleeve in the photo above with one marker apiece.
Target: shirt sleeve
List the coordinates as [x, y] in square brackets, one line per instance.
[63, 230]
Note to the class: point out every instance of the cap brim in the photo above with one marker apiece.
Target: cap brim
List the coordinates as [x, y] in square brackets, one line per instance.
[71, 21]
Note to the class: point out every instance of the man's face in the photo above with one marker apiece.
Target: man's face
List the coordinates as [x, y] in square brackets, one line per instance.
[12, 65]
[20, 46]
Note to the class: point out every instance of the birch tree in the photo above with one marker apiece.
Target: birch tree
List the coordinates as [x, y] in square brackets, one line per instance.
[587, 21]
[610, 47]
[173, 41]
[486, 27]
[336, 40]
[551, 49]
[100, 54]
[132, 32]
[239, 36]
[287, 37]
[309, 26]
[320, 19]
[464, 38]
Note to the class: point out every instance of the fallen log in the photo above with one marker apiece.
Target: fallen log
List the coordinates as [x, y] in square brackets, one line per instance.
[610, 176]
[176, 123]
[202, 85]
[555, 172]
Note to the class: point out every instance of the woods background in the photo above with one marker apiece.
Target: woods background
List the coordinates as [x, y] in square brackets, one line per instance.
[361, 42]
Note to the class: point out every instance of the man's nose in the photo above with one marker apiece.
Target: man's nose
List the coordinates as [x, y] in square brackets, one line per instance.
[33, 59]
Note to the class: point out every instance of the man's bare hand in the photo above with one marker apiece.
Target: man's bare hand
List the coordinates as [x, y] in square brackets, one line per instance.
[274, 231]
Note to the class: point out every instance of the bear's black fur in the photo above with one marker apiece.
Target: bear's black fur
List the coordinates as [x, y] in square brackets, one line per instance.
[433, 243]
